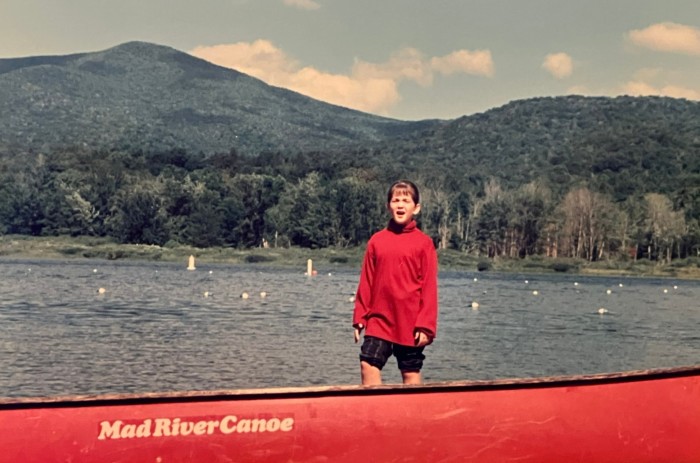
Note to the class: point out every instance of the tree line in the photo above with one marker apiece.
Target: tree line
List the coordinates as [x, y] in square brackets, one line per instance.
[319, 200]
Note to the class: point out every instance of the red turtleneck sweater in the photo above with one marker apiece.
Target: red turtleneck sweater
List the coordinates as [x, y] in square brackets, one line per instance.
[397, 293]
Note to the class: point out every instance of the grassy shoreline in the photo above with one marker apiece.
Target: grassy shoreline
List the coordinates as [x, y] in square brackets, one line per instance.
[64, 247]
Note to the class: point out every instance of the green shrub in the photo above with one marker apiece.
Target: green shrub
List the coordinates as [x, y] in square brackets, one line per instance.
[483, 265]
[687, 262]
[562, 267]
[71, 251]
[115, 254]
[258, 258]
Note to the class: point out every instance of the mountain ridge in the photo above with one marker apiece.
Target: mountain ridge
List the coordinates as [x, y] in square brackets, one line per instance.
[140, 97]
[150, 97]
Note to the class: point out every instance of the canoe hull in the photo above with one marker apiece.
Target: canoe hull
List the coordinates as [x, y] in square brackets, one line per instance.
[636, 417]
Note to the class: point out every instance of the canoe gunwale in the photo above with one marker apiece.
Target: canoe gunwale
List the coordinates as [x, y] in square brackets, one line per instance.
[79, 401]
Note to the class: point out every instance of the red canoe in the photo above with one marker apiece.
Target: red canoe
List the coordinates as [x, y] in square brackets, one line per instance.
[640, 416]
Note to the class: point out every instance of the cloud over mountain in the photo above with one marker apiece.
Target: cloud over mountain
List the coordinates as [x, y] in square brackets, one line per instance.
[560, 65]
[668, 37]
[370, 87]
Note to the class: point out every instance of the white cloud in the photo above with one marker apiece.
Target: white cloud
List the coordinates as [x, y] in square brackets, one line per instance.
[411, 64]
[478, 63]
[259, 59]
[406, 64]
[375, 95]
[560, 65]
[659, 82]
[668, 37]
[302, 4]
[369, 87]
[641, 88]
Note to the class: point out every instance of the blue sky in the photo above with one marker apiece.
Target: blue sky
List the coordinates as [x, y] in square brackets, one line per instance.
[408, 59]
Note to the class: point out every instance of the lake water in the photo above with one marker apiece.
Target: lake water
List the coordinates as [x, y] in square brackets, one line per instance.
[160, 327]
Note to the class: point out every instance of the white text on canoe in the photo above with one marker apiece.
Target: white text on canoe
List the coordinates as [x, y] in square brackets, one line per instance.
[172, 427]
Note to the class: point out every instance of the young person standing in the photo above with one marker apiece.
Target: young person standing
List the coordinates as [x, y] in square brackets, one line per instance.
[396, 301]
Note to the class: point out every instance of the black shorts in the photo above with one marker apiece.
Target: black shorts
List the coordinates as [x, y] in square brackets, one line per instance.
[377, 351]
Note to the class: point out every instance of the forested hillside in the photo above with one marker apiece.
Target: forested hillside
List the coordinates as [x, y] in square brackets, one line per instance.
[563, 177]
[141, 96]
[149, 145]
[620, 146]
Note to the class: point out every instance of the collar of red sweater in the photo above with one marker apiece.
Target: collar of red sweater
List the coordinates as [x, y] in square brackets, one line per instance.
[396, 228]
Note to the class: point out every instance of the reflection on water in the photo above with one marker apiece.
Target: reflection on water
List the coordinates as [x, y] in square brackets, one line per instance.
[159, 327]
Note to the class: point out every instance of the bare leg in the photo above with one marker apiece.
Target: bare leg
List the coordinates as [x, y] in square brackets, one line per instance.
[411, 377]
[371, 375]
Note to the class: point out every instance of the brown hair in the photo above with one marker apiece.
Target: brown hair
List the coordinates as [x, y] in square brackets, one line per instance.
[404, 186]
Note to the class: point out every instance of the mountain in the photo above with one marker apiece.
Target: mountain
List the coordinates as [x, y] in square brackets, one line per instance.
[150, 98]
[620, 145]
[141, 96]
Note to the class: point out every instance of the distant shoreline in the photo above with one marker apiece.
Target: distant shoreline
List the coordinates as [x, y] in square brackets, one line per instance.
[64, 247]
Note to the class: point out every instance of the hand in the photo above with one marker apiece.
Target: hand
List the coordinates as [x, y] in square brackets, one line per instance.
[421, 339]
[358, 330]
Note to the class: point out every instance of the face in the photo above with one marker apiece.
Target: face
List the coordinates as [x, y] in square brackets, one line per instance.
[402, 207]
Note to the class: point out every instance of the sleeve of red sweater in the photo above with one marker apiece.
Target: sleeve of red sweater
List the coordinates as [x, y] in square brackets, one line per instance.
[427, 316]
[364, 289]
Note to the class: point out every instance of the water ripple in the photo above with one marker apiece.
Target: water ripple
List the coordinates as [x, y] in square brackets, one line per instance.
[158, 327]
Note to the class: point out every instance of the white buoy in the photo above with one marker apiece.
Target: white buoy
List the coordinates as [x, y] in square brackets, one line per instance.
[190, 265]
[602, 310]
[476, 279]
[535, 292]
[575, 283]
[675, 287]
[244, 295]
[210, 272]
[101, 291]
[665, 290]
[526, 282]
[263, 294]
[475, 305]
[621, 285]
[94, 270]
[207, 294]
[351, 299]
[608, 291]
